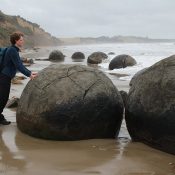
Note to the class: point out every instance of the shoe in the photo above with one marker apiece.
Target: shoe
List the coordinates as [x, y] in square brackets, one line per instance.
[4, 122]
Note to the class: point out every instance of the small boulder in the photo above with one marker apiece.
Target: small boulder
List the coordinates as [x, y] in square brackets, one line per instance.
[56, 56]
[78, 55]
[96, 57]
[13, 102]
[27, 60]
[111, 53]
[121, 61]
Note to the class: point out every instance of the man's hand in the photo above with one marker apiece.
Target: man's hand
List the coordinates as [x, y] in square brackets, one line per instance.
[33, 75]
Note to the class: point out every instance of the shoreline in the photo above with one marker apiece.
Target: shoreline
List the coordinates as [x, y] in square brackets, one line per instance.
[21, 154]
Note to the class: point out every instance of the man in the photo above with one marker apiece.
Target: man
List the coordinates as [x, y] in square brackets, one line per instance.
[12, 63]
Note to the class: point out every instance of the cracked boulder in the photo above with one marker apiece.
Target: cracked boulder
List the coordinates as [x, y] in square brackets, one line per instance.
[150, 108]
[70, 102]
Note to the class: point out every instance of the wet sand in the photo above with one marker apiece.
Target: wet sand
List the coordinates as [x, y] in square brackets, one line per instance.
[21, 154]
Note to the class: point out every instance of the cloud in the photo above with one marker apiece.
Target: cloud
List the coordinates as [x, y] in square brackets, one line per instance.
[153, 18]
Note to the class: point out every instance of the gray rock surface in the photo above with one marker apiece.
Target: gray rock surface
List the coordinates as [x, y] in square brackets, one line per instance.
[121, 61]
[111, 53]
[70, 102]
[124, 96]
[150, 108]
[56, 55]
[12, 103]
[134, 78]
[78, 55]
[97, 57]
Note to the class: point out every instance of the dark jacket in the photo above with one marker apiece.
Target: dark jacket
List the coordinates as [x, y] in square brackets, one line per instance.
[12, 63]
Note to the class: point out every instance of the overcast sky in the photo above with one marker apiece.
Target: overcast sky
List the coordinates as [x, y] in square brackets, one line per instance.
[93, 18]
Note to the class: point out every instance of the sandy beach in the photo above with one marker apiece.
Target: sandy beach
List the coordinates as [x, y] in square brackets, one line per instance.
[21, 154]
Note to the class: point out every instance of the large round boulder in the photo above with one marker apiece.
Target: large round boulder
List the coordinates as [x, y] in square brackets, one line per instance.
[78, 55]
[70, 102]
[56, 55]
[96, 57]
[134, 78]
[150, 108]
[121, 61]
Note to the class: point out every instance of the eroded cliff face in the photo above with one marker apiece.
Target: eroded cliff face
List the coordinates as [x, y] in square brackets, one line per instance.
[25, 24]
[34, 34]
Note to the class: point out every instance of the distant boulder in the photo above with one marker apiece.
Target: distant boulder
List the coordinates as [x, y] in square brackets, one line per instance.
[150, 108]
[27, 61]
[121, 61]
[78, 55]
[111, 53]
[36, 49]
[97, 57]
[56, 55]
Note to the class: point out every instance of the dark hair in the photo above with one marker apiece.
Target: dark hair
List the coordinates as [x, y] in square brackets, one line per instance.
[15, 37]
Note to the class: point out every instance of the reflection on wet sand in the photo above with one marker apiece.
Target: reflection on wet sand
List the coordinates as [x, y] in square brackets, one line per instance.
[77, 156]
[10, 159]
[22, 154]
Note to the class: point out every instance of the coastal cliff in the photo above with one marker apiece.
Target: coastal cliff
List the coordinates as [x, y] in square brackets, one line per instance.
[34, 34]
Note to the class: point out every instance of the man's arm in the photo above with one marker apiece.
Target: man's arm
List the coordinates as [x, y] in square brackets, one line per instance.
[18, 64]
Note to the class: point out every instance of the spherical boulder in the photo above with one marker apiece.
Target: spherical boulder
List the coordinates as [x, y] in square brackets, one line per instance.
[70, 102]
[96, 57]
[150, 108]
[121, 61]
[78, 55]
[56, 55]
[134, 78]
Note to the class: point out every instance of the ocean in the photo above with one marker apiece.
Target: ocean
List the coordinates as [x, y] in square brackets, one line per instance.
[146, 54]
